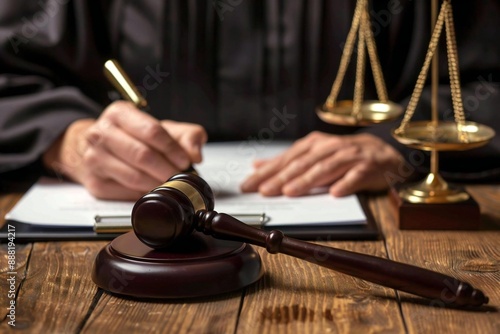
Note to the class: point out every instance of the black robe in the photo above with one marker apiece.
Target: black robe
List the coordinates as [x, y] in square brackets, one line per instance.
[245, 70]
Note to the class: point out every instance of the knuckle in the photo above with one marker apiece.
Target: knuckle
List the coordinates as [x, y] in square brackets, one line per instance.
[142, 155]
[351, 151]
[198, 129]
[297, 165]
[364, 169]
[91, 158]
[322, 166]
[114, 113]
[94, 136]
[315, 135]
[111, 110]
[365, 172]
[153, 131]
[201, 133]
[330, 143]
[116, 107]
[357, 150]
[135, 180]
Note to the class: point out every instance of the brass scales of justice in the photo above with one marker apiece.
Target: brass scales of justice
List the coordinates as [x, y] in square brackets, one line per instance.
[357, 112]
[432, 203]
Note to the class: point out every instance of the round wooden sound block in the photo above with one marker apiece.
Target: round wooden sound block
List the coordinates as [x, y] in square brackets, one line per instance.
[196, 266]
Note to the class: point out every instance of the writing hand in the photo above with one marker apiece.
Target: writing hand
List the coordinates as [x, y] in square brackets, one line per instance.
[125, 152]
[347, 164]
[189, 136]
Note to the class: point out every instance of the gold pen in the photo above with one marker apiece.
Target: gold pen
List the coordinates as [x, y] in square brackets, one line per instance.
[121, 81]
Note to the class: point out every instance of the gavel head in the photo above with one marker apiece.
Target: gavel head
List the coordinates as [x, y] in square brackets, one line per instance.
[167, 212]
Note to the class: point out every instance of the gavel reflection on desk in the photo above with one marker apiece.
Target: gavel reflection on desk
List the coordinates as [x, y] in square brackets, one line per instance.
[185, 203]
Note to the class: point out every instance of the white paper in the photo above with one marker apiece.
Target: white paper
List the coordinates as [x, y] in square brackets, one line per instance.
[51, 202]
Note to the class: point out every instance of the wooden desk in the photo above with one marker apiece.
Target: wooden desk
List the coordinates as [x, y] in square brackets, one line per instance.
[55, 293]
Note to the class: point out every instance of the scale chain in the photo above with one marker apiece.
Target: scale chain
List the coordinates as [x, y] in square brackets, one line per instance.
[419, 86]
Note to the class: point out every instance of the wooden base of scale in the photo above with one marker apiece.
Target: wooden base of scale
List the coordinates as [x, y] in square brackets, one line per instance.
[463, 215]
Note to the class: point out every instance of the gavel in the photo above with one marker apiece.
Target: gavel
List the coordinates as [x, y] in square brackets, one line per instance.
[185, 203]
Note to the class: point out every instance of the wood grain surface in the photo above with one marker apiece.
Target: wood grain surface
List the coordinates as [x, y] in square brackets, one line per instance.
[55, 292]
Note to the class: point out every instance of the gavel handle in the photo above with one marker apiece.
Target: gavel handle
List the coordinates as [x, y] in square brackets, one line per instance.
[392, 274]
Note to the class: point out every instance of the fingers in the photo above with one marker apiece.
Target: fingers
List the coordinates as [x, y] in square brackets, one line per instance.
[125, 152]
[259, 162]
[270, 168]
[141, 141]
[325, 171]
[345, 163]
[191, 137]
[368, 174]
[121, 149]
[271, 176]
[353, 181]
[315, 169]
[145, 129]
[263, 173]
[102, 165]
[297, 169]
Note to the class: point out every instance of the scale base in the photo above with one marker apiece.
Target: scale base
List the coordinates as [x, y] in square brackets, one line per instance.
[464, 215]
[196, 266]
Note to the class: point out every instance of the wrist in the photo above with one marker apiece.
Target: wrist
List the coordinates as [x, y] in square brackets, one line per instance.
[64, 156]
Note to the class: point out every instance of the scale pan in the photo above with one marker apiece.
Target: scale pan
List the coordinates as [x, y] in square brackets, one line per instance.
[372, 112]
[446, 136]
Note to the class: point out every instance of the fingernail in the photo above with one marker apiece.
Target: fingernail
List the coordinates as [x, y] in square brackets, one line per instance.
[290, 189]
[247, 186]
[335, 192]
[269, 189]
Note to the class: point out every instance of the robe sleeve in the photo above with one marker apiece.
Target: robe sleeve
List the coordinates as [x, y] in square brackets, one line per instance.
[49, 76]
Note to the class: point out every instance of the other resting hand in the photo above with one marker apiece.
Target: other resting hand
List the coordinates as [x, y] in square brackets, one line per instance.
[125, 152]
[347, 164]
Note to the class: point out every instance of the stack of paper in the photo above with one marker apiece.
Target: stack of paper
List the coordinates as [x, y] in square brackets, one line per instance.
[51, 202]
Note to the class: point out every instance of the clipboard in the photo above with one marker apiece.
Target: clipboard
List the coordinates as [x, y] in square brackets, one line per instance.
[25, 232]
[53, 209]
